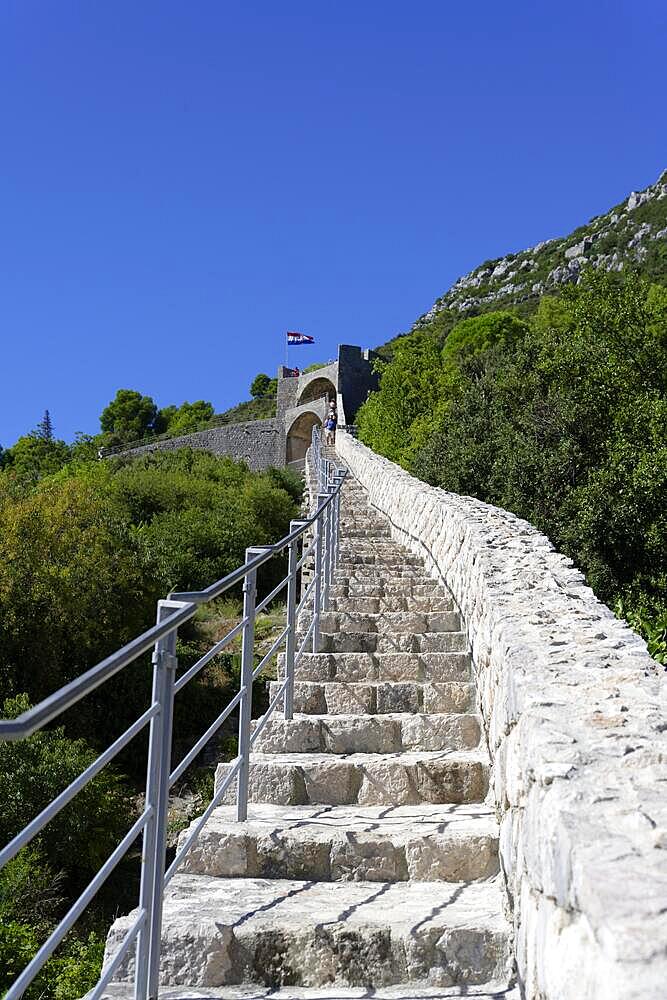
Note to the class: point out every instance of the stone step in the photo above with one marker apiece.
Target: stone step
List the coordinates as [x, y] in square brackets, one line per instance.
[389, 733]
[217, 931]
[392, 602]
[393, 573]
[388, 589]
[362, 583]
[367, 573]
[367, 779]
[453, 665]
[363, 536]
[358, 527]
[348, 844]
[389, 622]
[389, 558]
[395, 642]
[360, 513]
[378, 545]
[364, 529]
[367, 518]
[416, 991]
[379, 697]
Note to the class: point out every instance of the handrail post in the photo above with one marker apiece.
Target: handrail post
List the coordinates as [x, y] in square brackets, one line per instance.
[331, 558]
[340, 475]
[326, 548]
[317, 597]
[247, 666]
[334, 523]
[147, 978]
[288, 703]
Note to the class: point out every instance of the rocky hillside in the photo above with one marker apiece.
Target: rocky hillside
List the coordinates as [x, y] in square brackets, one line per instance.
[632, 234]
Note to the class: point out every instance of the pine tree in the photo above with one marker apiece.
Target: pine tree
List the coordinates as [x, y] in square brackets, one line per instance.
[45, 427]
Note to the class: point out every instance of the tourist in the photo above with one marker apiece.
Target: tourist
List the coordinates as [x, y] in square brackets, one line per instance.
[330, 425]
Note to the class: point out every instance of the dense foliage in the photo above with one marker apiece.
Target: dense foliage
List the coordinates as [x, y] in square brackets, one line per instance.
[36, 885]
[86, 549]
[562, 420]
[261, 408]
[418, 385]
[85, 554]
[183, 419]
[263, 386]
[131, 417]
[128, 417]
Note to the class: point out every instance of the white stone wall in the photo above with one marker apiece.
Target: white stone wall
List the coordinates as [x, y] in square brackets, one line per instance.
[575, 716]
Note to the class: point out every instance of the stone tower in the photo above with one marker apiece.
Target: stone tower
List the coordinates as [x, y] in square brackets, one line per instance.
[304, 400]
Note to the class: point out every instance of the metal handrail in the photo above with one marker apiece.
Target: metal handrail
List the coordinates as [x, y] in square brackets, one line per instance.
[173, 612]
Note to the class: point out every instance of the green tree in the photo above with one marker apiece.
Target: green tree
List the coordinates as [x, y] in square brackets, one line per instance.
[45, 427]
[190, 416]
[32, 898]
[128, 417]
[71, 973]
[259, 386]
[419, 383]
[164, 417]
[34, 456]
[395, 420]
[196, 530]
[33, 772]
[568, 428]
[86, 447]
[480, 333]
[85, 554]
[75, 583]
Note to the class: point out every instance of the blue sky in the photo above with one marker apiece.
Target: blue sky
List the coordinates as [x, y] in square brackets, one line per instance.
[183, 182]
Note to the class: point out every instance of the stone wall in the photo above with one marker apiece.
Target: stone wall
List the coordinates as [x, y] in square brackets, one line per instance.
[260, 443]
[574, 713]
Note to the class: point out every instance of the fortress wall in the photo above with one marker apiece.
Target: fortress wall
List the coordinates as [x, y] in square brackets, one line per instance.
[574, 713]
[260, 443]
[264, 443]
[356, 378]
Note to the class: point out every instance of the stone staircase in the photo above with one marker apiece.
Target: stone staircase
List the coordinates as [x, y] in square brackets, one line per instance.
[369, 862]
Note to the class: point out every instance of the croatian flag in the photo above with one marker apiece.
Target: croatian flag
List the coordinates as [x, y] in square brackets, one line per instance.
[299, 338]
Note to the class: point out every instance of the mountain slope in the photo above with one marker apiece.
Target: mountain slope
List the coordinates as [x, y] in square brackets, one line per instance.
[632, 234]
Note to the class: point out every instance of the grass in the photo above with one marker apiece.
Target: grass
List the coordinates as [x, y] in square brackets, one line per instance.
[251, 409]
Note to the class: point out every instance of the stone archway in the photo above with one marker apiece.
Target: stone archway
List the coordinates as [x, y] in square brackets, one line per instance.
[317, 388]
[299, 436]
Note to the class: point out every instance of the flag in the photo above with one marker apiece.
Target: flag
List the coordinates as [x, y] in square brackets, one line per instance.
[299, 338]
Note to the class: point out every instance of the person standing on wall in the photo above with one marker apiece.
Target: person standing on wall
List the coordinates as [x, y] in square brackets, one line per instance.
[330, 424]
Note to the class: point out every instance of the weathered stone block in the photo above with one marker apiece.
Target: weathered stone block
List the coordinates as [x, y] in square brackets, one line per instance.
[331, 783]
[397, 697]
[430, 858]
[454, 696]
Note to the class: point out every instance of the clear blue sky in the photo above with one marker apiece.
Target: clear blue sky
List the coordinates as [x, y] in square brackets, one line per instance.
[183, 182]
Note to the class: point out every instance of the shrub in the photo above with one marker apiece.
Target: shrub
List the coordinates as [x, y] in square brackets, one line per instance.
[568, 428]
[34, 771]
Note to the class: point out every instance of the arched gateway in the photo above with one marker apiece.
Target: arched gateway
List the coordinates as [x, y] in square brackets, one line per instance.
[317, 388]
[299, 436]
